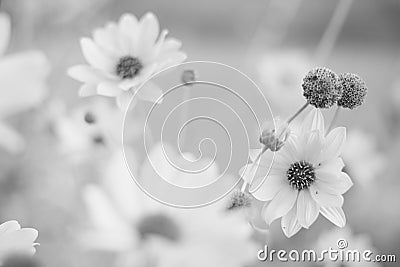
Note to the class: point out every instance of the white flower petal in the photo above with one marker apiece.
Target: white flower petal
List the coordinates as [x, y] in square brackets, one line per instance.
[97, 57]
[86, 74]
[128, 84]
[324, 199]
[150, 92]
[280, 204]
[266, 159]
[5, 29]
[333, 183]
[87, 90]
[15, 240]
[9, 226]
[334, 165]
[307, 209]
[170, 45]
[253, 172]
[108, 89]
[313, 147]
[149, 30]
[271, 186]
[335, 215]
[290, 151]
[19, 93]
[107, 39]
[334, 143]
[289, 223]
[124, 99]
[129, 33]
[313, 121]
[167, 60]
[10, 139]
[102, 213]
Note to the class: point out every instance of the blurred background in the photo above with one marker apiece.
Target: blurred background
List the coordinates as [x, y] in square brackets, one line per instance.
[70, 182]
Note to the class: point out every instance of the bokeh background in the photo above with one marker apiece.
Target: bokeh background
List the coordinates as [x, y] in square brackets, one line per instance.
[69, 172]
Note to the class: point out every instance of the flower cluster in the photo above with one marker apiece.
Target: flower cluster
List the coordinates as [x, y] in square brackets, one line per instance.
[323, 88]
[298, 174]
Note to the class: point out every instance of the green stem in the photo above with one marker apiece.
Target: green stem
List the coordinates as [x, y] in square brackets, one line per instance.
[297, 113]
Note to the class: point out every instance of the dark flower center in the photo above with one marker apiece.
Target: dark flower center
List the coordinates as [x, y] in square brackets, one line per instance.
[89, 118]
[301, 175]
[159, 224]
[128, 67]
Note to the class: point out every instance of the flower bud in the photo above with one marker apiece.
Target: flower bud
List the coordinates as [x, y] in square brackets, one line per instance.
[273, 137]
[188, 76]
[354, 90]
[321, 88]
[239, 200]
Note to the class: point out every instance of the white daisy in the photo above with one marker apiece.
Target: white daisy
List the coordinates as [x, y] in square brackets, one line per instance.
[22, 85]
[16, 240]
[306, 178]
[122, 56]
[144, 232]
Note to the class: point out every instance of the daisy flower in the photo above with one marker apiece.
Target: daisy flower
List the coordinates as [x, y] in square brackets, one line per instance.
[122, 56]
[16, 240]
[22, 85]
[306, 178]
[89, 127]
[144, 232]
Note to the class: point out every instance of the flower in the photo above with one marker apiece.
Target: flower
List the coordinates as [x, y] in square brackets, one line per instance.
[275, 134]
[16, 240]
[92, 125]
[144, 232]
[354, 90]
[22, 85]
[306, 178]
[122, 56]
[239, 200]
[321, 87]
[352, 242]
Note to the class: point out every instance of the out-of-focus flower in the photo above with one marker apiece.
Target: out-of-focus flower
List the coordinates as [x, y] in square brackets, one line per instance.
[16, 240]
[22, 85]
[209, 237]
[345, 239]
[143, 231]
[161, 158]
[306, 178]
[282, 75]
[90, 125]
[123, 55]
[363, 161]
